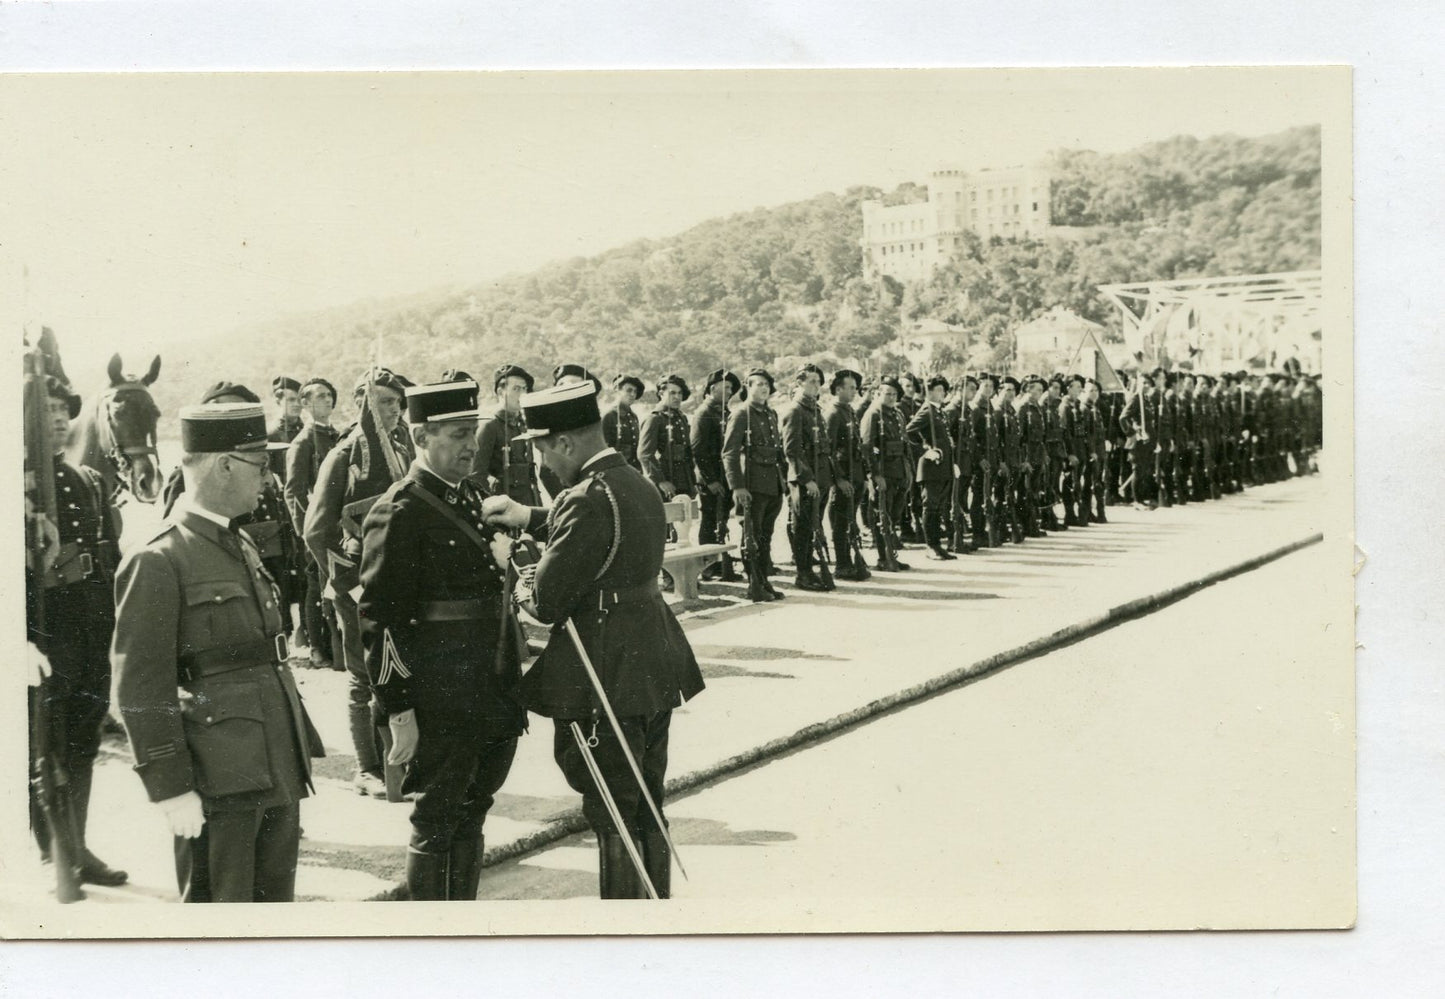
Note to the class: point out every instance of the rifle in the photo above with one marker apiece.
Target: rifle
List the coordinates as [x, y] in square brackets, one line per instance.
[887, 543]
[820, 545]
[990, 512]
[47, 776]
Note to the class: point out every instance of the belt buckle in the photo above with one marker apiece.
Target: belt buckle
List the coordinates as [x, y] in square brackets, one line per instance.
[87, 565]
[283, 648]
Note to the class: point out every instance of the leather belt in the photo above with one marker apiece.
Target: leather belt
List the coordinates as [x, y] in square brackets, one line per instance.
[72, 564]
[641, 593]
[460, 610]
[192, 666]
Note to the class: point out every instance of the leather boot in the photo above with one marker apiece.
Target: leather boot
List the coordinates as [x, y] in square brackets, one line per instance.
[729, 570]
[426, 875]
[464, 867]
[807, 579]
[757, 583]
[712, 573]
[657, 859]
[616, 875]
[93, 870]
[860, 569]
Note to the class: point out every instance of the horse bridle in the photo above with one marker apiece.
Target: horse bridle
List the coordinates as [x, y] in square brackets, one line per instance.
[121, 455]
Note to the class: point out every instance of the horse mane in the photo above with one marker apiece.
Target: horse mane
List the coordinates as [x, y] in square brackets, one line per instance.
[89, 443]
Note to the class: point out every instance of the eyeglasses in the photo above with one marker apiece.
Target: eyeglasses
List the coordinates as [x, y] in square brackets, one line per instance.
[253, 464]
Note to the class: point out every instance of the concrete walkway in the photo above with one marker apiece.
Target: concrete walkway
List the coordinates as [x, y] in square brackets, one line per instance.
[776, 673]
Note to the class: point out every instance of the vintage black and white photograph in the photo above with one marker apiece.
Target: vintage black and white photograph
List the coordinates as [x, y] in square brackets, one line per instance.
[794, 501]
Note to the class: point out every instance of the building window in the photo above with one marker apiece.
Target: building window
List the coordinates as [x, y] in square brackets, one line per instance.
[1016, 209]
[990, 194]
[972, 195]
[1036, 206]
[975, 214]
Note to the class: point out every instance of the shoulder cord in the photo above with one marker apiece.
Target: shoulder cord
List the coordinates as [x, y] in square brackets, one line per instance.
[616, 526]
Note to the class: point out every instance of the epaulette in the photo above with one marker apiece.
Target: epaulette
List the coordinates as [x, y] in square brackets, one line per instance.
[160, 532]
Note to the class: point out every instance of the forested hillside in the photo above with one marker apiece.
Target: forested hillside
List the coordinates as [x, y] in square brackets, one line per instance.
[788, 280]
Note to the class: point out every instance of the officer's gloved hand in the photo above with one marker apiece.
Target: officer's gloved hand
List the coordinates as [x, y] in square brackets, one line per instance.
[404, 737]
[37, 667]
[501, 549]
[505, 511]
[184, 814]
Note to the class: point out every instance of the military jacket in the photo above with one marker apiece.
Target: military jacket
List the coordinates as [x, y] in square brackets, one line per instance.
[1185, 434]
[206, 700]
[1031, 433]
[753, 457]
[1162, 420]
[622, 430]
[89, 549]
[1053, 427]
[303, 465]
[805, 442]
[1010, 436]
[1097, 428]
[431, 609]
[928, 428]
[605, 538]
[985, 433]
[666, 449]
[960, 417]
[707, 441]
[883, 441]
[284, 432]
[269, 525]
[333, 526]
[1073, 430]
[849, 462]
[504, 464]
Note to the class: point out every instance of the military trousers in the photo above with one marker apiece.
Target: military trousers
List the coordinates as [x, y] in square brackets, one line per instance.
[364, 735]
[758, 522]
[805, 523]
[716, 510]
[455, 774]
[842, 519]
[244, 855]
[646, 736]
[895, 502]
[936, 496]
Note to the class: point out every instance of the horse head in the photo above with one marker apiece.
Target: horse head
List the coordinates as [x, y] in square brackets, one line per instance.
[129, 415]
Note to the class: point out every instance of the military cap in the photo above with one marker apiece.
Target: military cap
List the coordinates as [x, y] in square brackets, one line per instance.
[559, 409]
[971, 380]
[805, 370]
[1241, 375]
[576, 371]
[842, 373]
[456, 375]
[226, 426]
[384, 377]
[984, 376]
[222, 389]
[1011, 381]
[893, 381]
[720, 375]
[757, 373]
[281, 383]
[442, 402]
[1205, 380]
[1032, 380]
[1077, 378]
[1156, 371]
[321, 383]
[632, 380]
[511, 371]
[935, 381]
[58, 389]
[910, 376]
[677, 380]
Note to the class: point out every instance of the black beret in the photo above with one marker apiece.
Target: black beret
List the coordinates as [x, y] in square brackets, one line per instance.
[809, 369]
[456, 375]
[720, 375]
[677, 380]
[970, 380]
[762, 373]
[1010, 380]
[511, 371]
[281, 383]
[58, 389]
[323, 383]
[576, 371]
[841, 374]
[1076, 379]
[632, 380]
[384, 377]
[221, 389]
[893, 381]
[984, 376]
[935, 381]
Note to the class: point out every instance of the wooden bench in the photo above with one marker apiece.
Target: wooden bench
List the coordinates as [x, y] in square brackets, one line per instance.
[684, 560]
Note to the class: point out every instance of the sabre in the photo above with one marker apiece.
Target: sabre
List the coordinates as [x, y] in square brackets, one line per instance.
[611, 804]
[622, 742]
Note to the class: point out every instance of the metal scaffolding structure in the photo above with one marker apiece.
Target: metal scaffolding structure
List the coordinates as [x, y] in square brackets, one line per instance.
[1222, 323]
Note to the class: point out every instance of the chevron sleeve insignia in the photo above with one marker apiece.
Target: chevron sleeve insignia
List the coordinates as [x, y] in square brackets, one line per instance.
[391, 664]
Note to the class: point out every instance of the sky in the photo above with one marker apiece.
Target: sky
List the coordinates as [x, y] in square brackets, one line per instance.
[143, 209]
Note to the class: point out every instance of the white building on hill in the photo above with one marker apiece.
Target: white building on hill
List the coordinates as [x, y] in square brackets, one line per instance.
[906, 242]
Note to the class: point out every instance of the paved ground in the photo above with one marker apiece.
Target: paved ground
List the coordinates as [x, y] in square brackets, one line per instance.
[772, 670]
[1012, 801]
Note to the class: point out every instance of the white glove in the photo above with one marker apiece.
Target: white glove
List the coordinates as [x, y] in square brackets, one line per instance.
[404, 737]
[37, 666]
[184, 814]
[501, 549]
[933, 454]
[505, 511]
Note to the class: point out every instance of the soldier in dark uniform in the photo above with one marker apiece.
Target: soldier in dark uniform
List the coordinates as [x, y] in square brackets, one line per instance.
[605, 537]
[284, 555]
[707, 443]
[571, 374]
[665, 447]
[960, 425]
[1098, 451]
[927, 431]
[1162, 422]
[1010, 460]
[620, 426]
[983, 430]
[1074, 436]
[910, 525]
[349, 480]
[1032, 445]
[220, 738]
[442, 648]
[754, 462]
[1055, 452]
[850, 469]
[1137, 428]
[504, 462]
[79, 621]
[303, 462]
[810, 473]
[287, 394]
[888, 473]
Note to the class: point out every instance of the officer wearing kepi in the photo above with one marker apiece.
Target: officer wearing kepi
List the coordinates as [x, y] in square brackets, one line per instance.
[220, 738]
[442, 646]
[605, 537]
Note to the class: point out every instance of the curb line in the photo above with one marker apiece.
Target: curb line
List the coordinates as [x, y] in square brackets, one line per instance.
[573, 822]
